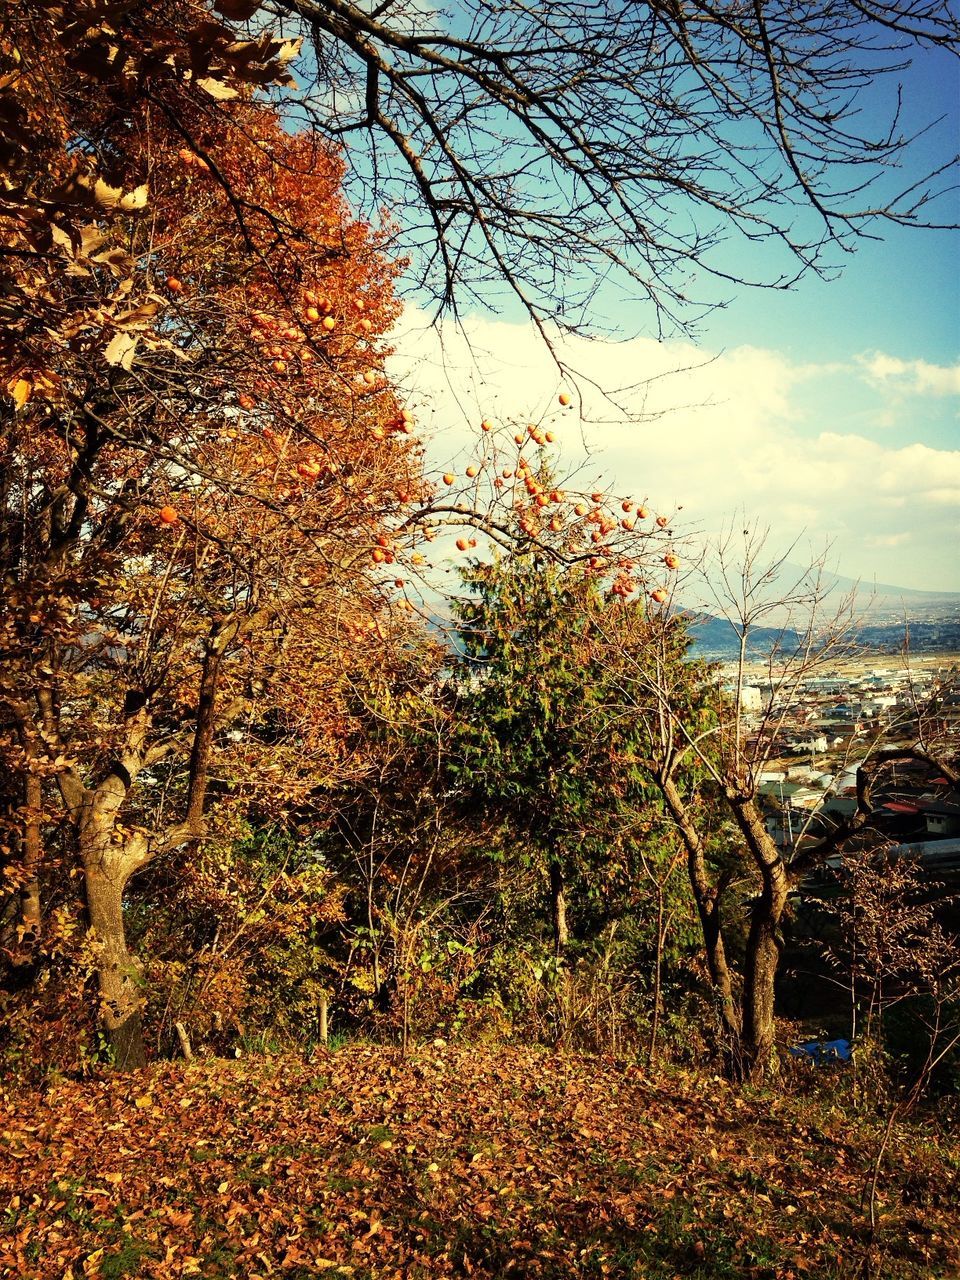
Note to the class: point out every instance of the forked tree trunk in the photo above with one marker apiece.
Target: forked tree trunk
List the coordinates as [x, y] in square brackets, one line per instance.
[708, 910]
[108, 863]
[558, 911]
[763, 941]
[107, 866]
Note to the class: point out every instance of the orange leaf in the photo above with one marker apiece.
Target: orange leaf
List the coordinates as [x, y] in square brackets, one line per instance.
[19, 389]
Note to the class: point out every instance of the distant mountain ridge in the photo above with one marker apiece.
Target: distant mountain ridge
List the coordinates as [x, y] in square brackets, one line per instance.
[881, 611]
[716, 637]
[875, 603]
[873, 597]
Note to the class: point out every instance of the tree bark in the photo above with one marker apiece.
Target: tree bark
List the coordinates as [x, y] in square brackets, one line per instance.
[217, 644]
[107, 866]
[707, 900]
[118, 972]
[558, 911]
[763, 942]
[759, 975]
[109, 862]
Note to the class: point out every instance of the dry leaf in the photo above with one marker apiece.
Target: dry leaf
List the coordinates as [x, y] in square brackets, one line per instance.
[120, 350]
[135, 200]
[217, 89]
[19, 389]
[105, 195]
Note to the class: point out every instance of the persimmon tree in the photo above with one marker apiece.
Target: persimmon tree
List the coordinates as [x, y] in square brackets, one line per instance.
[537, 744]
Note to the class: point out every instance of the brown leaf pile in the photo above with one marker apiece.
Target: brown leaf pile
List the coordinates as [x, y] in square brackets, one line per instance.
[463, 1161]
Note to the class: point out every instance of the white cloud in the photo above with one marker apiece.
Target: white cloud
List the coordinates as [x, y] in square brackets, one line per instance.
[888, 539]
[748, 429]
[916, 377]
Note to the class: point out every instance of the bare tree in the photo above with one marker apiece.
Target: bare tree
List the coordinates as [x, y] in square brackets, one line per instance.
[541, 148]
[528, 151]
[787, 620]
[801, 631]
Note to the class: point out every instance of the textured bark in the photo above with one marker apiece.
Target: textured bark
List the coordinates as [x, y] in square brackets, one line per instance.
[558, 911]
[109, 861]
[108, 864]
[30, 891]
[206, 721]
[763, 942]
[203, 738]
[760, 971]
[708, 909]
[118, 972]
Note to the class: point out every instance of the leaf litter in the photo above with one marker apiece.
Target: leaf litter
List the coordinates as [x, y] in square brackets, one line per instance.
[455, 1161]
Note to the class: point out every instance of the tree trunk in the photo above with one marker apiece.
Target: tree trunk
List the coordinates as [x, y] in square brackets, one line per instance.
[118, 971]
[763, 942]
[760, 971]
[106, 872]
[30, 890]
[558, 911]
[217, 643]
[708, 909]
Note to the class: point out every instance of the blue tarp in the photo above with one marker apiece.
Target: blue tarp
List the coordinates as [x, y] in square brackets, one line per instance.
[823, 1051]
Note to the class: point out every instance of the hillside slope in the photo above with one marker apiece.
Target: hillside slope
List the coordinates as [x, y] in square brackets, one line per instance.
[454, 1162]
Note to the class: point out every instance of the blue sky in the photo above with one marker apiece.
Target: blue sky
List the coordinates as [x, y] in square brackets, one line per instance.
[899, 292]
[830, 413]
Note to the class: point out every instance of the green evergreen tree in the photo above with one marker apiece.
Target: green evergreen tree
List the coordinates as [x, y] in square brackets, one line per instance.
[549, 742]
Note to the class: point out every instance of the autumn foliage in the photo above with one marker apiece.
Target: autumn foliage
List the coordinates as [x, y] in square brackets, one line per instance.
[263, 789]
[200, 454]
[266, 788]
[213, 496]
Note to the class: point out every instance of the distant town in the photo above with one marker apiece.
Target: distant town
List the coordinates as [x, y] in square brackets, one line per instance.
[834, 719]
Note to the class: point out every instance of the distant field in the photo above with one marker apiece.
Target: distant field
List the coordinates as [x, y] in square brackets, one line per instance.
[865, 663]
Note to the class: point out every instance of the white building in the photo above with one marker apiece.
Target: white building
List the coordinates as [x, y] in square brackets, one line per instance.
[751, 698]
